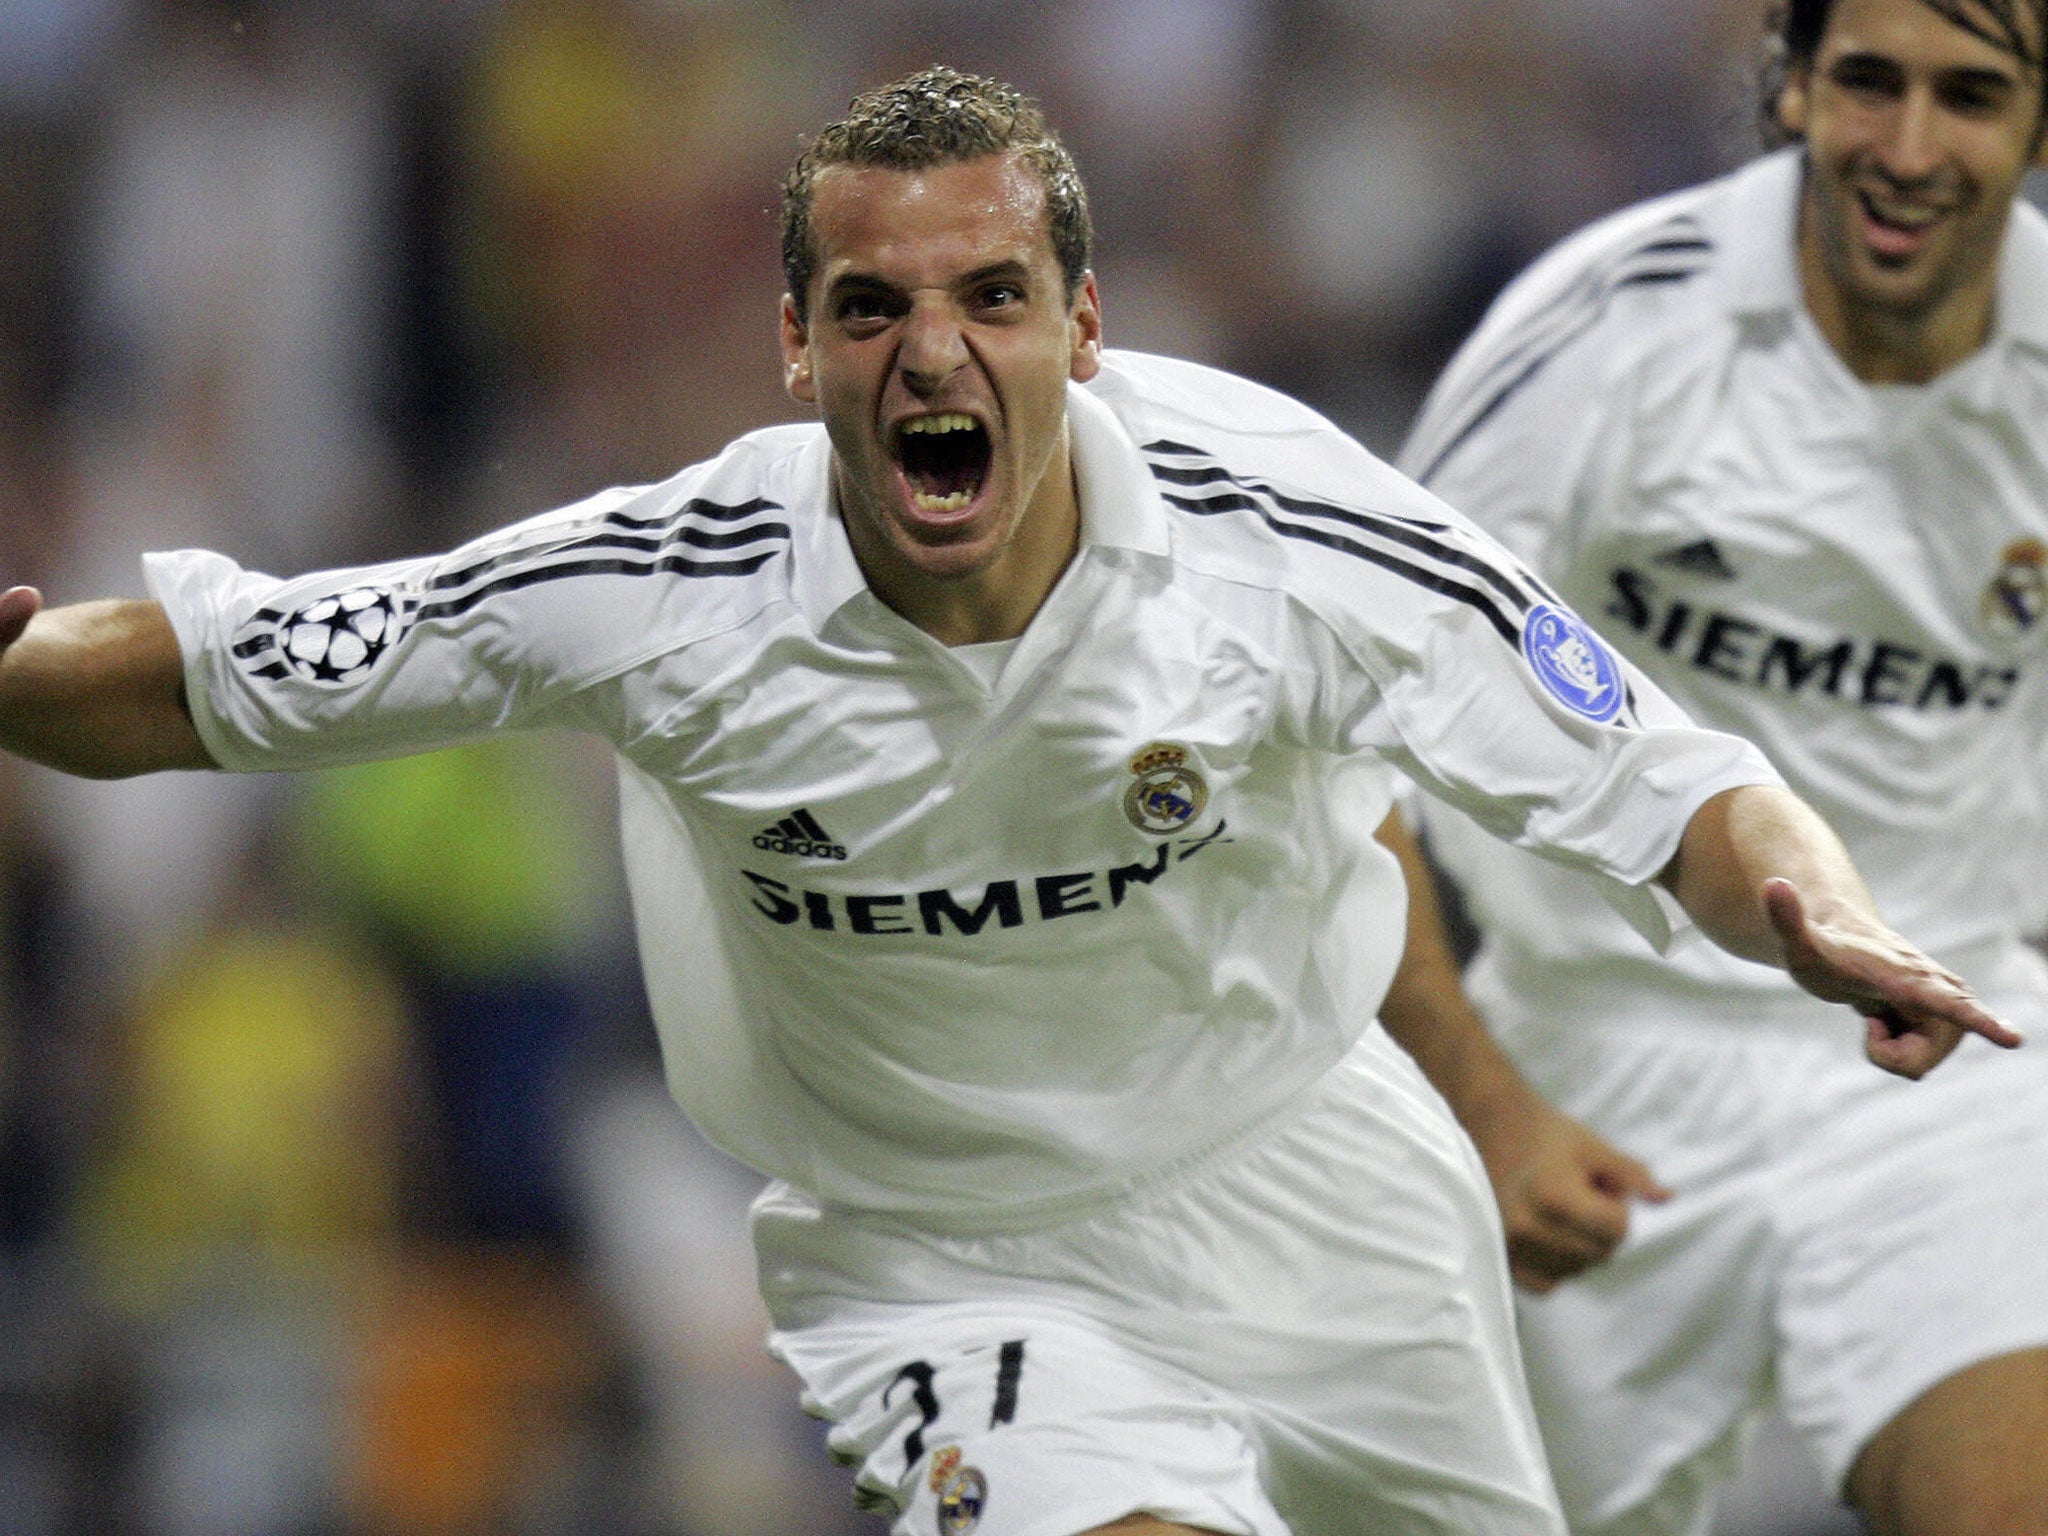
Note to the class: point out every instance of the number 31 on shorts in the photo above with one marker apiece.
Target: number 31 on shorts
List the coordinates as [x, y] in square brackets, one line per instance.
[917, 1386]
[939, 1406]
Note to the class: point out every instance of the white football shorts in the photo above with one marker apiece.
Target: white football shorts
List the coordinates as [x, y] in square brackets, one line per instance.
[1839, 1237]
[1308, 1333]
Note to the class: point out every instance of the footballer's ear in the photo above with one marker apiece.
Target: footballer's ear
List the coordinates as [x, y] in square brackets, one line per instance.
[1793, 100]
[1084, 319]
[796, 354]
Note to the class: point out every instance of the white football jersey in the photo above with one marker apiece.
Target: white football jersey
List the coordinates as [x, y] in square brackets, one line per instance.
[919, 941]
[1853, 577]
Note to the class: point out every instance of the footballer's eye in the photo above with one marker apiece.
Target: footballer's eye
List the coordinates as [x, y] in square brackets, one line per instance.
[861, 307]
[1868, 77]
[999, 296]
[1976, 95]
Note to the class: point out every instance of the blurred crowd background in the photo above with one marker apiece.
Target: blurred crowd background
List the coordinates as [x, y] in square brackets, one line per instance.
[338, 1189]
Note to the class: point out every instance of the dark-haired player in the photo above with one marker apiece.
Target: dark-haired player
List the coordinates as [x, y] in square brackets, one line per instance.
[1784, 439]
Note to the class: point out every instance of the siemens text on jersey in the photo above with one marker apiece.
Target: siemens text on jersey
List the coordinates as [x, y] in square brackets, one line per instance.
[1858, 670]
[939, 911]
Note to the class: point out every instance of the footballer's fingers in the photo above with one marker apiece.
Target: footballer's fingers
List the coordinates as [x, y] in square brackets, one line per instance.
[1541, 1258]
[1915, 1011]
[1547, 1246]
[1537, 1270]
[1905, 1049]
[1569, 1208]
[17, 606]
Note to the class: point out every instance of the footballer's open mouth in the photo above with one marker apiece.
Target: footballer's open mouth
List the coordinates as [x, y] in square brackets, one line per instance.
[944, 458]
[1895, 226]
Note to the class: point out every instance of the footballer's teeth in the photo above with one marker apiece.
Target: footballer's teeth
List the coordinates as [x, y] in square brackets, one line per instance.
[1899, 216]
[944, 458]
[945, 421]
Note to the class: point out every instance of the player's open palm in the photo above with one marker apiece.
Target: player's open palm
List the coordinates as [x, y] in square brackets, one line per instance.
[17, 606]
[1915, 1011]
[1564, 1193]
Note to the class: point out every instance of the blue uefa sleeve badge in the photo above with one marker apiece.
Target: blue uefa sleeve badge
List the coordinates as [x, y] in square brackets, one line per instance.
[1573, 664]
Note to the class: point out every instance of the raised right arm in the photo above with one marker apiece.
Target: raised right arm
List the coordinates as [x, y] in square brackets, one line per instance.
[96, 689]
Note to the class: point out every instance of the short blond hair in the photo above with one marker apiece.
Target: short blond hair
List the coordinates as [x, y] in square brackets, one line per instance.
[936, 117]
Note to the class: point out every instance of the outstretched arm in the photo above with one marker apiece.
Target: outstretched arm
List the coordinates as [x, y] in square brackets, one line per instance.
[1564, 1193]
[1767, 879]
[96, 689]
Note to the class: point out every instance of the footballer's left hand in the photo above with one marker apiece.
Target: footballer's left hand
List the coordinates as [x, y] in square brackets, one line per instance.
[1915, 1011]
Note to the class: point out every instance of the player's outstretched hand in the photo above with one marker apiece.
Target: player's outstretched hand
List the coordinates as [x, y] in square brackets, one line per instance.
[1564, 1193]
[1915, 1011]
[17, 606]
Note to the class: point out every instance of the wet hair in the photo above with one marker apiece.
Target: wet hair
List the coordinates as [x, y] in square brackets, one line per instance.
[938, 116]
[1793, 30]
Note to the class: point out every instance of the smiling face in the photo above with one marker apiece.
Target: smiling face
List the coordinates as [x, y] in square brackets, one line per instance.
[937, 344]
[1918, 133]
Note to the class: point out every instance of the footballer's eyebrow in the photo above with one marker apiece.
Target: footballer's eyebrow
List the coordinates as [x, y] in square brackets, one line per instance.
[1982, 77]
[1866, 66]
[1010, 269]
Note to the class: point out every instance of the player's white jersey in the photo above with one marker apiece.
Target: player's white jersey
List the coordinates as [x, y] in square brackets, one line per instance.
[1854, 577]
[991, 947]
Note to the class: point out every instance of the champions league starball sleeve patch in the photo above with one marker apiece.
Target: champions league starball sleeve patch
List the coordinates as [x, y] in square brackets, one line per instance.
[1573, 664]
[334, 640]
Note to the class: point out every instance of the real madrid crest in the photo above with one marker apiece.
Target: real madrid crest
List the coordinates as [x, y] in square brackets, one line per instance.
[1165, 794]
[2017, 596]
[962, 1500]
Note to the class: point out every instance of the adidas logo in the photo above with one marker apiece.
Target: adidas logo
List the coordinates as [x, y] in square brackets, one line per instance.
[800, 836]
[1702, 557]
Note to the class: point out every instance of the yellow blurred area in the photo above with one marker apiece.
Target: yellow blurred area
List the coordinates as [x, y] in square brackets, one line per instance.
[257, 1118]
[578, 97]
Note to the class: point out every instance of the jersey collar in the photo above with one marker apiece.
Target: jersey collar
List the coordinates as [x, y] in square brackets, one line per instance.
[1763, 273]
[824, 576]
[1120, 507]
[2023, 277]
[1762, 216]
[1120, 503]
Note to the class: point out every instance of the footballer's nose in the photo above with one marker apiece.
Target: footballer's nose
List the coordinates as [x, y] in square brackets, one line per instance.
[1911, 150]
[933, 348]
